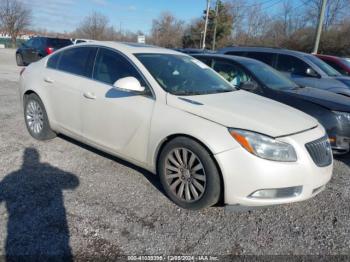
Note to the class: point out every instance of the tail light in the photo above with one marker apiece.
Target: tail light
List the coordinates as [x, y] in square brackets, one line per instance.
[22, 70]
[49, 50]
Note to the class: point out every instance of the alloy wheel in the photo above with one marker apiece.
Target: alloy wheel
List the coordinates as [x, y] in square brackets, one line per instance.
[185, 174]
[34, 117]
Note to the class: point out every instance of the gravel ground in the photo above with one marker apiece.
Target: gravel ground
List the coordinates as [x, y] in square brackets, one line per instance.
[61, 197]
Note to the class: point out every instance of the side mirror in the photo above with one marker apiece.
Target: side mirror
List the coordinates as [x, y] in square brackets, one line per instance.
[129, 84]
[311, 72]
[249, 86]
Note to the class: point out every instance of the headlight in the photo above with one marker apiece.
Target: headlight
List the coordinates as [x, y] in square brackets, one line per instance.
[264, 146]
[342, 116]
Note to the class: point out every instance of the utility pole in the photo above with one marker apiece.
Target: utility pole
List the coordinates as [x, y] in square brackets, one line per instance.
[216, 23]
[320, 26]
[206, 24]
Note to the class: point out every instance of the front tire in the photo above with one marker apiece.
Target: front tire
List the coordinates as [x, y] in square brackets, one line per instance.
[36, 118]
[188, 174]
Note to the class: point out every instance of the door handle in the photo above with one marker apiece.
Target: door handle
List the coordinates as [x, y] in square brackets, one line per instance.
[89, 95]
[48, 80]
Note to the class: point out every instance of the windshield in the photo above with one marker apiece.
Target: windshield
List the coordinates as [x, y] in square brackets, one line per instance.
[269, 76]
[330, 71]
[183, 75]
[346, 61]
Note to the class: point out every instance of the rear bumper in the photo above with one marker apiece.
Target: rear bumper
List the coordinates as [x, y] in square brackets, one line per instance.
[244, 174]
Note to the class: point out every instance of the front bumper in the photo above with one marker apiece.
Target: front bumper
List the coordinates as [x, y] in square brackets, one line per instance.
[244, 173]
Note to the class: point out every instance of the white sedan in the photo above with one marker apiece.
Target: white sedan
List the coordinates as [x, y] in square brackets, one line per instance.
[174, 116]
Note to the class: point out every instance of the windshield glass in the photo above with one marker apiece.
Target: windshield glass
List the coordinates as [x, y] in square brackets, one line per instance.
[183, 75]
[346, 61]
[269, 76]
[330, 71]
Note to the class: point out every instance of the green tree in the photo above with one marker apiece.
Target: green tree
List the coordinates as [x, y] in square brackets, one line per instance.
[223, 21]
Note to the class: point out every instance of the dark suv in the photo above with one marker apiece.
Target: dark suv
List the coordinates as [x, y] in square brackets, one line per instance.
[38, 47]
[331, 110]
[304, 69]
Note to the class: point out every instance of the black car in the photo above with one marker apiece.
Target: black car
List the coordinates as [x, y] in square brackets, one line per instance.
[330, 109]
[302, 68]
[37, 47]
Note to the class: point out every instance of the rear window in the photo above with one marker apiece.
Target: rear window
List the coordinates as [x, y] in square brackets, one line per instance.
[79, 60]
[58, 43]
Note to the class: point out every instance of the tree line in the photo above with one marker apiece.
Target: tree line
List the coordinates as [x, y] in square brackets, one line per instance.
[275, 23]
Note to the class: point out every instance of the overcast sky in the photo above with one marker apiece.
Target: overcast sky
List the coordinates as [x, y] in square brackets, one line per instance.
[133, 15]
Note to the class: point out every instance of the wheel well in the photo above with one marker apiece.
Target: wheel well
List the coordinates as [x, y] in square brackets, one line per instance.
[27, 93]
[171, 137]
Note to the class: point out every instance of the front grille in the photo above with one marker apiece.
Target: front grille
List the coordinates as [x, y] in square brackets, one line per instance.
[320, 151]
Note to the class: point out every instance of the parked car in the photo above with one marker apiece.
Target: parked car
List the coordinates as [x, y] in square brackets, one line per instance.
[342, 65]
[172, 115]
[193, 50]
[38, 47]
[304, 69]
[331, 110]
[79, 41]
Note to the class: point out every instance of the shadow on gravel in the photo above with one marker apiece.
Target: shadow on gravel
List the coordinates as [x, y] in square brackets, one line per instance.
[153, 179]
[37, 223]
[345, 159]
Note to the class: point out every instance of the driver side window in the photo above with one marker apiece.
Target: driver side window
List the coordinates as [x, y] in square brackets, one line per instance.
[232, 73]
[291, 64]
[110, 67]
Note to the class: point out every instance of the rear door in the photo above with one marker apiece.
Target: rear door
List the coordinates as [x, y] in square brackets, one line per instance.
[27, 50]
[64, 82]
[37, 52]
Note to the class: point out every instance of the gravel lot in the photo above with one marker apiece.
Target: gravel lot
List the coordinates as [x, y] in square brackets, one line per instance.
[76, 200]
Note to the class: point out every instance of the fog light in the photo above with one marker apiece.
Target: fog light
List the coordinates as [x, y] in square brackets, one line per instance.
[277, 192]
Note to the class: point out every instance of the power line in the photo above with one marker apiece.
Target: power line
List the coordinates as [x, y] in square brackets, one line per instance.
[263, 3]
[257, 4]
[279, 1]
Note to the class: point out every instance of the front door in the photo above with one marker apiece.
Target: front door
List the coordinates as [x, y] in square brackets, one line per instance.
[115, 119]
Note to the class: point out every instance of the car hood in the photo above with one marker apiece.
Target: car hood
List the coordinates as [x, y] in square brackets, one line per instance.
[241, 109]
[324, 98]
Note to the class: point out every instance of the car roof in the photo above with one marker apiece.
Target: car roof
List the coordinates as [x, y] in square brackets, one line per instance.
[274, 50]
[133, 48]
[48, 37]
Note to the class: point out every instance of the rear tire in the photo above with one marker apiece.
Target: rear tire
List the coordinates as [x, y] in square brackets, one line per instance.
[36, 118]
[189, 174]
[19, 59]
